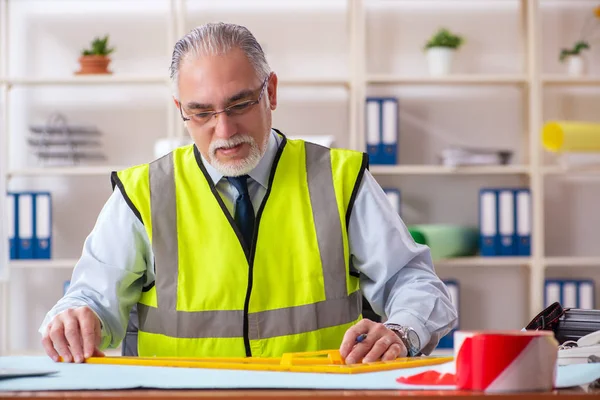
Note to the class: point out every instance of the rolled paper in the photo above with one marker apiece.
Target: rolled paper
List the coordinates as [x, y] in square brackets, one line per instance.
[570, 136]
[505, 361]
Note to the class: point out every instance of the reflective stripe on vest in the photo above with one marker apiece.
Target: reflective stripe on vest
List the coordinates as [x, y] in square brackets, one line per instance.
[338, 308]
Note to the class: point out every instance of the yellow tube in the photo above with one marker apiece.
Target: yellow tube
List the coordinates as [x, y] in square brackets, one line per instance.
[571, 136]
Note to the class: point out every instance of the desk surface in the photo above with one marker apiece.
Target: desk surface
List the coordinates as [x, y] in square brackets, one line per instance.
[570, 394]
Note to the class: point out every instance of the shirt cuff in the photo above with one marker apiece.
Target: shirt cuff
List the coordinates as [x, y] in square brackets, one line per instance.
[410, 321]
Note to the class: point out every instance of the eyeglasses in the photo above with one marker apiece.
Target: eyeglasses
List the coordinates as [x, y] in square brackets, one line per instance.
[233, 110]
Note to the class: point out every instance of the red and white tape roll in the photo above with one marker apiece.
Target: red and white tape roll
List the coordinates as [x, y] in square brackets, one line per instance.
[505, 361]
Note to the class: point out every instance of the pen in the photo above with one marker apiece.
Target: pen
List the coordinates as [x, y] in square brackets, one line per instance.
[361, 337]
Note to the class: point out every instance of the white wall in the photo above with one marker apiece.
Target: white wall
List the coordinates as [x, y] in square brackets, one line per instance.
[305, 38]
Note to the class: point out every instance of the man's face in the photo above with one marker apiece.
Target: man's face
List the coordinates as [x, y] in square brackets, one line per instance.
[232, 142]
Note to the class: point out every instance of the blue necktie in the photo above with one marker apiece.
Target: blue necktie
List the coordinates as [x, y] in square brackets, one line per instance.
[244, 212]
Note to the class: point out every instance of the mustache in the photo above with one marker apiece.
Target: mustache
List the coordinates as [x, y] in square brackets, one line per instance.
[231, 142]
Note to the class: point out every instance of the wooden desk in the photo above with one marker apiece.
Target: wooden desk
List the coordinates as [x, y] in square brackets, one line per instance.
[288, 394]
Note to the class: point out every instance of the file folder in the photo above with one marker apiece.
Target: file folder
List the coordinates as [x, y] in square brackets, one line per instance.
[570, 293]
[488, 222]
[43, 226]
[552, 293]
[447, 342]
[393, 196]
[11, 224]
[523, 224]
[586, 299]
[25, 225]
[373, 122]
[506, 219]
[389, 131]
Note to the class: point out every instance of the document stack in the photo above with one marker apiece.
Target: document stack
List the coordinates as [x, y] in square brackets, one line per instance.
[447, 342]
[382, 130]
[570, 293]
[464, 156]
[29, 217]
[58, 143]
[505, 221]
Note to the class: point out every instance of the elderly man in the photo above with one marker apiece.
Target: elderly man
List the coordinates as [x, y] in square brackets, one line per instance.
[246, 243]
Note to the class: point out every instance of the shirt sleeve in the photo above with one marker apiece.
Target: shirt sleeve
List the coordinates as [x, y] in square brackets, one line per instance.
[111, 271]
[397, 275]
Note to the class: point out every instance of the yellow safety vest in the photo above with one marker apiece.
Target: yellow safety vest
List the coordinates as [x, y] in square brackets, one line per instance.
[294, 290]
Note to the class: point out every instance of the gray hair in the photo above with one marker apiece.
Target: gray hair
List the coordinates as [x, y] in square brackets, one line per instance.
[216, 39]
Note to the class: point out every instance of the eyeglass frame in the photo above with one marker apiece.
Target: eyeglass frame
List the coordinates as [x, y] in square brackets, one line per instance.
[227, 109]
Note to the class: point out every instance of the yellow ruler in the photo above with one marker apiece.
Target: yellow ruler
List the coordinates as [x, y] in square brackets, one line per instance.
[327, 361]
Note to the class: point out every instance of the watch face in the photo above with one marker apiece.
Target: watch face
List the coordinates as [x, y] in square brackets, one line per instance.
[413, 339]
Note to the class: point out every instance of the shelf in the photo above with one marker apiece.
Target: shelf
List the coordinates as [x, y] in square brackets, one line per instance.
[89, 80]
[65, 171]
[58, 263]
[139, 80]
[587, 170]
[483, 262]
[472, 79]
[572, 261]
[571, 80]
[445, 170]
[324, 81]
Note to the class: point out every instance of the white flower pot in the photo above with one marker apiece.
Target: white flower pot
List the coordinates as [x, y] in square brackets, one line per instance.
[575, 65]
[440, 60]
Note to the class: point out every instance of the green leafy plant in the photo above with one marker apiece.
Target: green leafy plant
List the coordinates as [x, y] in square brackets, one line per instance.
[577, 48]
[445, 38]
[99, 47]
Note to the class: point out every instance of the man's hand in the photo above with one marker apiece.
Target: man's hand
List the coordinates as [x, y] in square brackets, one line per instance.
[73, 334]
[380, 343]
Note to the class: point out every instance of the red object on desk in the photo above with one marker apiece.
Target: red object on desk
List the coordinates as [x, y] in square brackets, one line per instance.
[432, 378]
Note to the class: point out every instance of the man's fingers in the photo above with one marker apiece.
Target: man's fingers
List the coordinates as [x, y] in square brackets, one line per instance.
[351, 334]
[379, 348]
[57, 335]
[73, 336]
[49, 348]
[90, 331]
[394, 351]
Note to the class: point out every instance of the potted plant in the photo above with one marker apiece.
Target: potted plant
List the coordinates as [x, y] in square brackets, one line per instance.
[95, 60]
[440, 51]
[574, 59]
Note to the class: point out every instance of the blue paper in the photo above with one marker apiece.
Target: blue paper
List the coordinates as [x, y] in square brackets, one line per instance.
[108, 377]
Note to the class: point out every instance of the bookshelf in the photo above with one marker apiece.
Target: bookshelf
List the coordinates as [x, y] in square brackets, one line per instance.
[349, 74]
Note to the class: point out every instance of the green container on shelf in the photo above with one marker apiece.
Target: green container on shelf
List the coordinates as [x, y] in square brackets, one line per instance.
[447, 240]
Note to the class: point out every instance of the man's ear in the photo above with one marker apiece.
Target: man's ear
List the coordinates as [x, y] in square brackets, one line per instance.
[176, 102]
[272, 91]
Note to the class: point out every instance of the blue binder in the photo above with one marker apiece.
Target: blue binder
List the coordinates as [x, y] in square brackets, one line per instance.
[523, 222]
[506, 222]
[447, 342]
[11, 215]
[42, 225]
[488, 222]
[389, 130]
[570, 293]
[373, 130]
[25, 217]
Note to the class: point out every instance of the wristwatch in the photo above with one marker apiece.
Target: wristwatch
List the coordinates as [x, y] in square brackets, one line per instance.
[409, 337]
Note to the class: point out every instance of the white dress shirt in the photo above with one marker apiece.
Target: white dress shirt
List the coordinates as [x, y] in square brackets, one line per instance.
[397, 276]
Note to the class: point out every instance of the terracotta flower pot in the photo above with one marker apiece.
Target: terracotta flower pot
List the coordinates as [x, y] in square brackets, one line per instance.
[93, 65]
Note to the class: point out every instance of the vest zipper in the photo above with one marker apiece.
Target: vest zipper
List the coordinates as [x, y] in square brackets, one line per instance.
[253, 247]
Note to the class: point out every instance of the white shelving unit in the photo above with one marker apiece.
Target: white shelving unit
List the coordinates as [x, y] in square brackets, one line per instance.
[530, 82]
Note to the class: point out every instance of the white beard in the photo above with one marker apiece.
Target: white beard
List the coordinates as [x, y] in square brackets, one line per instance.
[237, 167]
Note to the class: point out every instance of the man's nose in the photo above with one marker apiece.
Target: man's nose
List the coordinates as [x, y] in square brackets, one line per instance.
[225, 126]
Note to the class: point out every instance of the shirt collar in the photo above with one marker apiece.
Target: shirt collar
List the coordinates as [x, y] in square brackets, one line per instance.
[261, 172]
